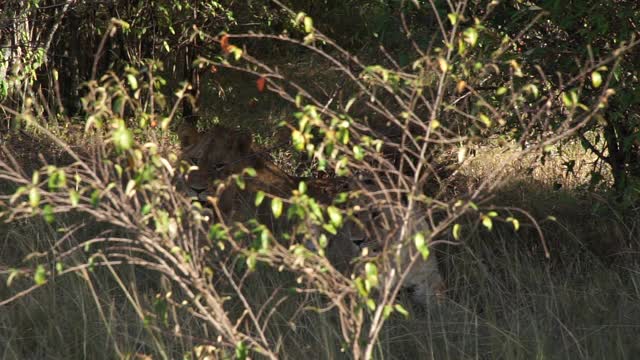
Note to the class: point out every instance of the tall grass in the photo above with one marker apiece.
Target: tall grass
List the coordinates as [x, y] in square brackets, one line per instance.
[506, 301]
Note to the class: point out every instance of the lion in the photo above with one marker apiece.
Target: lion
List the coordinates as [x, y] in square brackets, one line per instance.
[376, 227]
[221, 152]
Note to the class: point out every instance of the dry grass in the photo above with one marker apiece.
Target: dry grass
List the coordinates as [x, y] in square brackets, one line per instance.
[506, 301]
[567, 166]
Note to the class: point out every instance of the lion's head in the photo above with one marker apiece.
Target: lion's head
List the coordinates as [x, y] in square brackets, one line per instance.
[381, 224]
[215, 155]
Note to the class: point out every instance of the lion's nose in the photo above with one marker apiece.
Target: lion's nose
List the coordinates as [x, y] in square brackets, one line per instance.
[197, 193]
[359, 242]
[192, 193]
[201, 194]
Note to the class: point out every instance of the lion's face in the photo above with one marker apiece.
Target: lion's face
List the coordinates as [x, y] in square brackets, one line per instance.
[377, 214]
[376, 226]
[215, 155]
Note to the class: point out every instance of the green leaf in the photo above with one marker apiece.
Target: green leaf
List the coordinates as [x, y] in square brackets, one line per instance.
[298, 140]
[570, 99]
[316, 210]
[56, 180]
[371, 304]
[119, 170]
[421, 244]
[471, 36]
[442, 63]
[259, 198]
[123, 24]
[487, 222]
[387, 311]
[13, 274]
[34, 197]
[133, 82]
[485, 120]
[265, 238]
[216, 232]
[323, 241]
[40, 276]
[241, 351]
[237, 52]
[122, 138]
[47, 213]
[300, 252]
[596, 79]
[91, 264]
[399, 308]
[250, 171]
[335, 216]
[130, 190]
[308, 24]
[453, 18]
[462, 47]
[239, 182]
[302, 187]
[378, 145]
[371, 271]
[74, 197]
[343, 135]
[95, 198]
[276, 207]
[515, 222]
[330, 229]
[358, 152]
[341, 168]
[252, 261]
[532, 89]
[574, 97]
[362, 290]
[456, 231]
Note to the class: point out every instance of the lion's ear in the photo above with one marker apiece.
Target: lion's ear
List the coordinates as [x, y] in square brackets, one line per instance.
[187, 133]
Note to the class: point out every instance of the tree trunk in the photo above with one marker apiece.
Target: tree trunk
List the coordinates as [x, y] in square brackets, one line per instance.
[192, 75]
